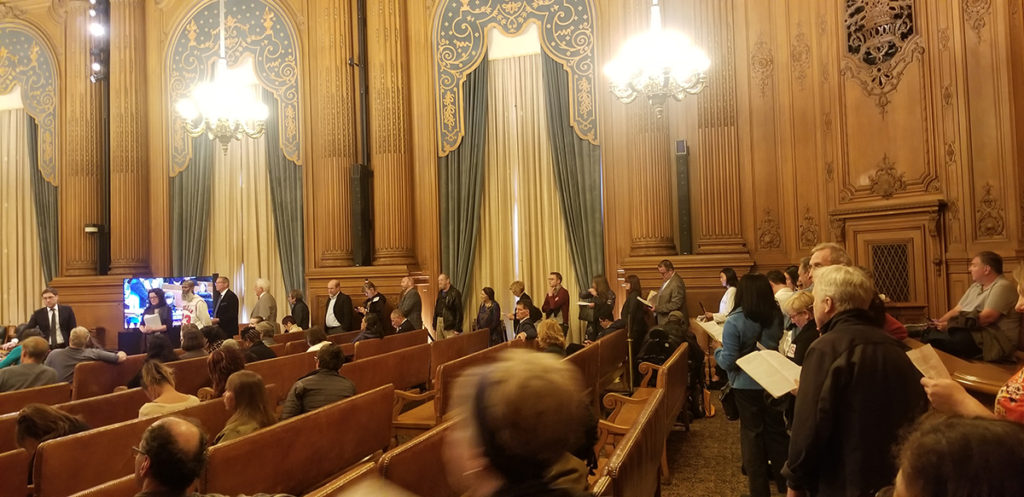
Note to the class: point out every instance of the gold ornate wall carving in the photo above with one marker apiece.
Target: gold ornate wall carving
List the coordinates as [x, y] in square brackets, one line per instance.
[990, 214]
[975, 13]
[881, 41]
[768, 236]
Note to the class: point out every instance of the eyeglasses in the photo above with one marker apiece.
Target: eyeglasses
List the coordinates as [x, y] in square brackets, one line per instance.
[139, 451]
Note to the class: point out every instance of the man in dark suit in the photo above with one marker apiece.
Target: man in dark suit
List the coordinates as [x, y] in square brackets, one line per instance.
[339, 309]
[410, 304]
[526, 329]
[401, 323]
[55, 321]
[225, 307]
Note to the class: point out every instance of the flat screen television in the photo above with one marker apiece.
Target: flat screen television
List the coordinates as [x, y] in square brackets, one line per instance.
[136, 296]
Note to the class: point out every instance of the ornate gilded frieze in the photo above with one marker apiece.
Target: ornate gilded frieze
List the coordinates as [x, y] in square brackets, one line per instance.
[886, 181]
[881, 41]
[975, 12]
[567, 34]
[809, 230]
[991, 219]
[27, 61]
[252, 28]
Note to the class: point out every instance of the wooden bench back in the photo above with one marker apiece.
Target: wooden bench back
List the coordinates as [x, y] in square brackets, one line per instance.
[346, 481]
[15, 480]
[403, 340]
[343, 337]
[448, 372]
[404, 369]
[63, 467]
[284, 370]
[331, 439]
[673, 379]
[94, 378]
[633, 467]
[613, 352]
[368, 348]
[587, 360]
[278, 348]
[295, 347]
[289, 337]
[447, 350]
[406, 465]
[48, 394]
[190, 374]
[121, 487]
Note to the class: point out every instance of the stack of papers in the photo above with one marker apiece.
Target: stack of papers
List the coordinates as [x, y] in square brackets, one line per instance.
[927, 361]
[776, 374]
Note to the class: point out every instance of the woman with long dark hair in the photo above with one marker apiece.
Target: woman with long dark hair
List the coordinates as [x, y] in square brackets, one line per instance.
[634, 312]
[157, 306]
[602, 302]
[729, 280]
[763, 439]
[489, 316]
[246, 396]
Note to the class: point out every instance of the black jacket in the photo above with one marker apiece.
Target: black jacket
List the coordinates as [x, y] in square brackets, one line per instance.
[535, 313]
[343, 310]
[300, 313]
[65, 319]
[258, 352]
[858, 390]
[405, 326]
[225, 308]
[449, 308]
[527, 326]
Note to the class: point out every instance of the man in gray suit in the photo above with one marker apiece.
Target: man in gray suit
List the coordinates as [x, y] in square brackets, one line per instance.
[266, 305]
[410, 305]
[672, 295]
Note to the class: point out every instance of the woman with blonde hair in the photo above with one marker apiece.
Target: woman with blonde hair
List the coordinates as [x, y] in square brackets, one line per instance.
[246, 396]
[794, 344]
[550, 338]
[158, 383]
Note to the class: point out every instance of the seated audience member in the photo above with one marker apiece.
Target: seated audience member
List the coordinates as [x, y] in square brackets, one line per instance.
[316, 338]
[255, 349]
[31, 372]
[605, 325]
[798, 309]
[371, 328]
[158, 383]
[855, 367]
[246, 397]
[526, 329]
[952, 456]
[267, 331]
[13, 357]
[288, 325]
[984, 323]
[222, 363]
[38, 423]
[400, 322]
[502, 449]
[550, 338]
[214, 337]
[803, 281]
[160, 350]
[192, 342]
[170, 457]
[320, 387]
[63, 361]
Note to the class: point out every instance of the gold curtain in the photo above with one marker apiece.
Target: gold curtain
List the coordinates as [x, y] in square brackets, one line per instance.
[522, 232]
[241, 243]
[20, 262]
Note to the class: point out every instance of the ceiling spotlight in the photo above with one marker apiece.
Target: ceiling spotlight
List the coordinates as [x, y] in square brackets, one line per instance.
[96, 67]
[97, 29]
[92, 2]
[92, 12]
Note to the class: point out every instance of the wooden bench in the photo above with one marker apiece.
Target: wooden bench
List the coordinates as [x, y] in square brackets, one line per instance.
[343, 337]
[587, 360]
[377, 346]
[417, 465]
[614, 350]
[978, 376]
[344, 482]
[121, 487]
[47, 394]
[278, 348]
[633, 465]
[190, 374]
[292, 348]
[289, 337]
[331, 439]
[63, 468]
[403, 369]
[15, 480]
[94, 378]
[442, 351]
[284, 370]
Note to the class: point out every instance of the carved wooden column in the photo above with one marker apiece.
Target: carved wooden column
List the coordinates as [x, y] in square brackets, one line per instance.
[718, 177]
[129, 239]
[650, 184]
[389, 132]
[334, 137]
[81, 178]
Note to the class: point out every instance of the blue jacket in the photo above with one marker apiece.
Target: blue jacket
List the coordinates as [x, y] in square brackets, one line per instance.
[738, 334]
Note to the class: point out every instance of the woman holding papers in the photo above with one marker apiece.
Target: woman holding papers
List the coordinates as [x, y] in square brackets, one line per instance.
[729, 280]
[763, 440]
[634, 311]
[798, 308]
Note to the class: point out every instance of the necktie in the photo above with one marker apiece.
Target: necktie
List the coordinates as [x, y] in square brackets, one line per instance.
[53, 328]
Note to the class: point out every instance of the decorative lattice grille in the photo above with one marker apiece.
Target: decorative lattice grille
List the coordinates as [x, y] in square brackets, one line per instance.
[891, 265]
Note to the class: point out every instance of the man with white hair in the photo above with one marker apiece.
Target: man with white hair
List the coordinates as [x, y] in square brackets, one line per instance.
[857, 391]
[266, 305]
[64, 360]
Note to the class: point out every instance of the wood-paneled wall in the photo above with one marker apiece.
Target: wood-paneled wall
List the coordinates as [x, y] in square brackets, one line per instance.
[794, 142]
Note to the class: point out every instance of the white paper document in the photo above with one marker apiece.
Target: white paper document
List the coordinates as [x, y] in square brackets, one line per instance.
[712, 328]
[152, 320]
[776, 374]
[928, 362]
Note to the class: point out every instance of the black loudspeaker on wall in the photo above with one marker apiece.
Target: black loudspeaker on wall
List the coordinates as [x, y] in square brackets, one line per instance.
[683, 202]
[360, 193]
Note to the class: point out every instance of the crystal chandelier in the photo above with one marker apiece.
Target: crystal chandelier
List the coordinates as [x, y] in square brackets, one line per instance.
[658, 64]
[224, 109]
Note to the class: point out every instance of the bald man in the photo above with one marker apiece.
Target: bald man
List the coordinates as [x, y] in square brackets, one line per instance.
[170, 457]
[339, 309]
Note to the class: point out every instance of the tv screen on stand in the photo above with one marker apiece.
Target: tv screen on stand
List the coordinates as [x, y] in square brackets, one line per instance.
[136, 296]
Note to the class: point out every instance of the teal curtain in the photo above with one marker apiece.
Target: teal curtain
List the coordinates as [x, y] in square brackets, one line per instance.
[577, 164]
[460, 177]
[286, 201]
[190, 209]
[44, 196]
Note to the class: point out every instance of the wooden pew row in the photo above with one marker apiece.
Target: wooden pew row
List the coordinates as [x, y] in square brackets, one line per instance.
[377, 346]
[587, 360]
[332, 439]
[53, 458]
[284, 370]
[404, 466]
[403, 369]
[633, 466]
[190, 374]
[278, 348]
[442, 351]
[344, 482]
[97, 377]
[15, 480]
[121, 487]
[97, 411]
[977, 376]
[48, 394]
[612, 363]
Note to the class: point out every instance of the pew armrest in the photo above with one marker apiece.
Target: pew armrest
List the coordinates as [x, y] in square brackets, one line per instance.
[647, 369]
[404, 397]
[614, 401]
